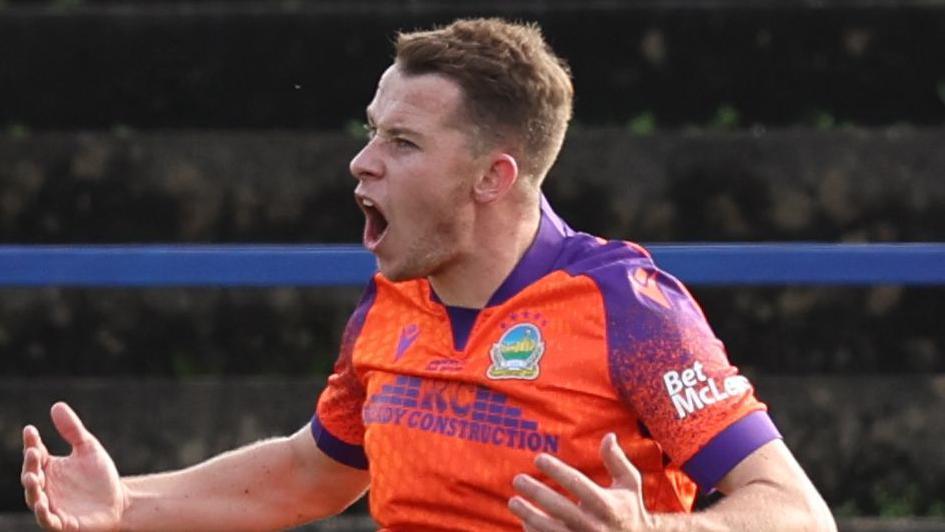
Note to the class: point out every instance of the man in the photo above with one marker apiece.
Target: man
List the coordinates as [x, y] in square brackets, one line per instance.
[500, 371]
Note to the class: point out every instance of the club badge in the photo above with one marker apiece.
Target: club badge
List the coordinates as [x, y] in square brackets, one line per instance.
[517, 353]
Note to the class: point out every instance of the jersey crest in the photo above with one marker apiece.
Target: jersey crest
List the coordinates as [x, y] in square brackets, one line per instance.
[517, 353]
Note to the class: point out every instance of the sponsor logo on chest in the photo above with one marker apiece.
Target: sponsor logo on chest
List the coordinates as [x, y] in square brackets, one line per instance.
[457, 410]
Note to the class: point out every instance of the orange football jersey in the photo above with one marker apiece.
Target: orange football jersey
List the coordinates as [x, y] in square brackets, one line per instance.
[445, 405]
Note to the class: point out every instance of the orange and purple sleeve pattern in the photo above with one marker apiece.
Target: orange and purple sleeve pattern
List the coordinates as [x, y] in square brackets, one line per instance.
[673, 373]
[337, 426]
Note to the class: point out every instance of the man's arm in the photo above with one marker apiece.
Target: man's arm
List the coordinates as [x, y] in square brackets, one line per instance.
[270, 484]
[768, 490]
[267, 485]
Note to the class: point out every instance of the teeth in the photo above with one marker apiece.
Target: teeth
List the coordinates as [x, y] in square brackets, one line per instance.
[367, 203]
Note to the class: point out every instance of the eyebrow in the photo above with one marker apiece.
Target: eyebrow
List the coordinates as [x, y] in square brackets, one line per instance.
[394, 131]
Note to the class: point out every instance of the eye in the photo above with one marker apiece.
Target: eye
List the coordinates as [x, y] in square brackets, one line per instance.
[401, 142]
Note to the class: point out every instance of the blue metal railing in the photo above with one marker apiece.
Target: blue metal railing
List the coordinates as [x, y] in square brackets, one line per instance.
[336, 265]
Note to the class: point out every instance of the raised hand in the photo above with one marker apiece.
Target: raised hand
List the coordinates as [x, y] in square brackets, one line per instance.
[81, 491]
[619, 507]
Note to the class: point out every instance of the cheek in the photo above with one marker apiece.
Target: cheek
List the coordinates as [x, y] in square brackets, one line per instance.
[414, 206]
[430, 191]
[428, 194]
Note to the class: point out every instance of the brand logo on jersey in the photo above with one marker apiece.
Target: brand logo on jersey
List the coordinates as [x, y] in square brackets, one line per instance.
[444, 365]
[644, 283]
[407, 337]
[456, 410]
[517, 353]
[691, 389]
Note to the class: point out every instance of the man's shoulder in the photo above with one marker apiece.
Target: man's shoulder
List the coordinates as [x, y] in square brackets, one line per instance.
[378, 292]
[411, 289]
[393, 297]
[628, 278]
[588, 254]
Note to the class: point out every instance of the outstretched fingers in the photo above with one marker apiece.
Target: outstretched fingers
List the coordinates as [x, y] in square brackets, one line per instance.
[69, 425]
[33, 459]
[32, 490]
[33, 445]
[533, 519]
[36, 459]
[32, 464]
[46, 518]
[32, 476]
[31, 438]
[38, 502]
[623, 472]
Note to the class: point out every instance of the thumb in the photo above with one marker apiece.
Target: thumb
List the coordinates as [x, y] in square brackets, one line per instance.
[625, 475]
[69, 425]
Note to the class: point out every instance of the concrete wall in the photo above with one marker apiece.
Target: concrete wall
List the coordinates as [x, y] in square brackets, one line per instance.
[191, 185]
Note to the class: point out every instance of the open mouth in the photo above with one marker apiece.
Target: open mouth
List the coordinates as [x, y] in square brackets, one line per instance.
[375, 225]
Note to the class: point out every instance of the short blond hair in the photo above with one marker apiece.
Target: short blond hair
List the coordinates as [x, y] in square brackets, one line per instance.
[515, 88]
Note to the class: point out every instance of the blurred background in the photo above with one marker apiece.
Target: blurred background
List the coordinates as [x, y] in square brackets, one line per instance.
[695, 120]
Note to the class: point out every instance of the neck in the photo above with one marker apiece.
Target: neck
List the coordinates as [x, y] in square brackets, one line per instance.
[498, 244]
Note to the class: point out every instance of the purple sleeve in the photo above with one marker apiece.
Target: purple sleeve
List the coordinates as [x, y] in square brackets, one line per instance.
[346, 453]
[729, 447]
[673, 373]
[337, 426]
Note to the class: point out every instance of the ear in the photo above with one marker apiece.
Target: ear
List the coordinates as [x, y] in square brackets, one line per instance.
[497, 179]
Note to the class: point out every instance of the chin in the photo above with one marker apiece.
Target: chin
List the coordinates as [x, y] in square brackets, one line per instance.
[397, 273]
[396, 276]
[405, 270]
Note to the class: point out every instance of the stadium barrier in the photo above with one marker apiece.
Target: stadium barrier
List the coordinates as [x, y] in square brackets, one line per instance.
[334, 265]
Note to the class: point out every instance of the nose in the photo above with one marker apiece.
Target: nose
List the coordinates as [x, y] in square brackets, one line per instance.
[367, 163]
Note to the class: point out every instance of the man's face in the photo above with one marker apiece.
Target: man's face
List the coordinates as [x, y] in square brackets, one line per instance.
[415, 176]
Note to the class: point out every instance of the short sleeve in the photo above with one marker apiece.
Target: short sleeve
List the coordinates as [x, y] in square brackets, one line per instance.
[674, 374]
[337, 425]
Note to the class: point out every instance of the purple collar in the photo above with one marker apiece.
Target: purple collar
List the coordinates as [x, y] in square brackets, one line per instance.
[537, 262]
[538, 259]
